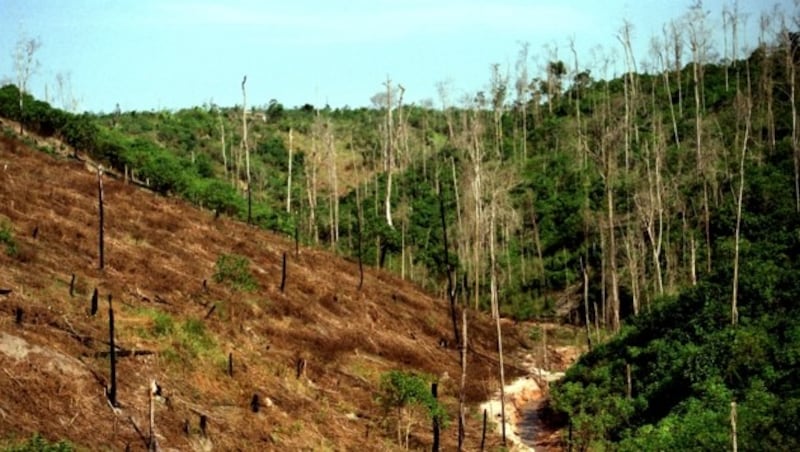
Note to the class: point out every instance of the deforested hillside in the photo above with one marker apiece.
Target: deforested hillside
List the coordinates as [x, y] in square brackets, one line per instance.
[246, 358]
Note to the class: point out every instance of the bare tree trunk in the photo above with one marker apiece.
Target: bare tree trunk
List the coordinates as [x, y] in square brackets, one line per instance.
[734, 297]
[246, 151]
[101, 216]
[289, 175]
[112, 354]
[311, 166]
[333, 198]
[791, 75]
[585, 273]
[462, 414]
[612, 251]
[451, 289]
[677, 48]
[734, 441]
[633, 269]
[389, 153]
[152, 443]
[522, 95]
[496, 315]
[222, 143]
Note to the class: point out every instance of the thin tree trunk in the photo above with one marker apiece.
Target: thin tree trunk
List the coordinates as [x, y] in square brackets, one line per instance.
[101, 215]
[389, 155]
[462, 414]
[222, 144]
[112, 354]
[734, 440]
[585, 273]
[734, 297]
[246, 151]
[496, 314]
[289, 175]
[451, 292]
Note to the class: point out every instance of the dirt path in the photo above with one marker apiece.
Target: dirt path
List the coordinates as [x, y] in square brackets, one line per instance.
[529, 421]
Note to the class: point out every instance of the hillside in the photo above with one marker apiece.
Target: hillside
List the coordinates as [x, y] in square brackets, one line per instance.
[176, 324]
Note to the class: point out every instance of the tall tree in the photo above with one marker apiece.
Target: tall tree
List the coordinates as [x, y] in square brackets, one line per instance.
[699, 43]
[745, 108]
[389, 151]
[246, 150]
[790, 46]
[522, 87]
[25, 65]
[289, 174]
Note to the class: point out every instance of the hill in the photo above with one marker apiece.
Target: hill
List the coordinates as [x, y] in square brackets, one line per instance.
[313, 354]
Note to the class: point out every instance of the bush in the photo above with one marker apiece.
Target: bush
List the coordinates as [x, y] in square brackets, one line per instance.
[39, 444]
[7, 239]
[402, 390]
[216, 195]
[195, 338]
[235, 271]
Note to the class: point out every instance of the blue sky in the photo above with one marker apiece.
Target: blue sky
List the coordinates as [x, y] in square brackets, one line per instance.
[154, 54]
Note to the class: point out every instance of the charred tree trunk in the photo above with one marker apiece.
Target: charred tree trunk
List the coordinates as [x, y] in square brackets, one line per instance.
[283, 273]
[93, 305]
[112, 354]
[435, 394]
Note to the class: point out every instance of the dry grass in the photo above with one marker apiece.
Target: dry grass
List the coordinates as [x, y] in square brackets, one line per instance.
[159, 251]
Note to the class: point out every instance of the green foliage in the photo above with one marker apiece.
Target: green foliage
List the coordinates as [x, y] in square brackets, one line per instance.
[38, 443]
[7, 239]
[163, 325]
[216, 195]
[195, 339]
[234, 270]
[401, 389]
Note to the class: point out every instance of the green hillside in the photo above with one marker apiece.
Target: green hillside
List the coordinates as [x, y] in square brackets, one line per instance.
[659, 209]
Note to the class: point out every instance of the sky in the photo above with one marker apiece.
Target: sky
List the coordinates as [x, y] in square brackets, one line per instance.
[172, 54]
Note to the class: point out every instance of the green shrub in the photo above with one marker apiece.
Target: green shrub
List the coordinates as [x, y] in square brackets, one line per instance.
[195, 338]
[234, 270]
[7, 239]
[39, 444]
[402, 390]
[162, 324]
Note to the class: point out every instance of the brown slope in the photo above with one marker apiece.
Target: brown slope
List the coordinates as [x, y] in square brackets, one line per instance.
[158, 253]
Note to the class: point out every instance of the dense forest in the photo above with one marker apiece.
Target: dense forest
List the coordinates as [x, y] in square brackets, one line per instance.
[660, 209]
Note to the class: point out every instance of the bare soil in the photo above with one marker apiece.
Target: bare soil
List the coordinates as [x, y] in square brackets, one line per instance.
[160, 257]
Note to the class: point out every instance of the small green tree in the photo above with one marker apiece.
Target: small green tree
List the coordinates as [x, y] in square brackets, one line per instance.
[400, 391]
[235, 271]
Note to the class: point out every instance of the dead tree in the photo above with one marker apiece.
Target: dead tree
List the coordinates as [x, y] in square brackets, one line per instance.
[289, 175]
[435, 394]
[283, 273]
[246, 152]
[93, 306]
[483, 433]
[112, 354]
[24, 65]
[462, 391]
[451, 292]
[101, 228]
